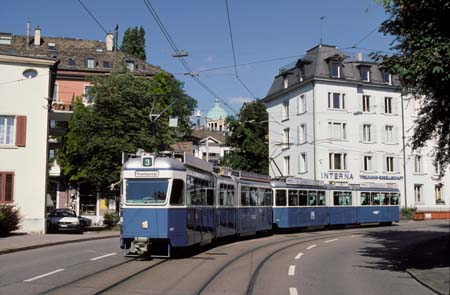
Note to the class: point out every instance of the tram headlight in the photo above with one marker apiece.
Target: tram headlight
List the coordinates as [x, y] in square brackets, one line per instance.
[144, 224]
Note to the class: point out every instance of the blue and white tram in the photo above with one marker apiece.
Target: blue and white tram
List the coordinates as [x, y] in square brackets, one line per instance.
[166, 203]
[180, 202]
[301, 203]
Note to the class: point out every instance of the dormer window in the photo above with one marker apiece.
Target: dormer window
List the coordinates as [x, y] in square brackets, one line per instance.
[387, 78]
[90, 63]
[365, 74]
[106, 64]
[335, 69]
[71, 62]
[130, 65]
[51, 46]
[285, 82]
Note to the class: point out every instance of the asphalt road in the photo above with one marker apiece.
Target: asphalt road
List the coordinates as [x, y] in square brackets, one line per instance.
[367, 260]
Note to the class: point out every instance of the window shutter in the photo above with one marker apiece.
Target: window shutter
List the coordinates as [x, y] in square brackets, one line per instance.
[362, 162]
[374, 163]
[306, 162]
[384, 163]
[373, 129]
[395, 134]
[383, 110]
[373, 104]
[383, 131]
[330, 130]
[305, 137]
[395, 103]
[361, 103]
[21, 131]
[396, 164]
[361, 133]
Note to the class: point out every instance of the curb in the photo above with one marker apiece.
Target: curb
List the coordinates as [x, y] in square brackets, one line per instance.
[424, 284]
[6, 251]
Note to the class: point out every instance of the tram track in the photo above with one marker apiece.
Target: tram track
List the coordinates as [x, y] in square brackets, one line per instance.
[255, 272]
[77, 282]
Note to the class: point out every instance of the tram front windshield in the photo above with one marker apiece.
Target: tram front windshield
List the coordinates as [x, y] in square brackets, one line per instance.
[146, 191]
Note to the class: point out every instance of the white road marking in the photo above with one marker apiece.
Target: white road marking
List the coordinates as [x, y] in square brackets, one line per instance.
[293, 291]
[44, 275]
[310, 247]
[354, 236]
[332, 240]
[291, 271]
[103, 256]
[298, 256]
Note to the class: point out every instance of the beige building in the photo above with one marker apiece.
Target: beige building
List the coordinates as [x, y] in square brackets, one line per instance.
[26, 84]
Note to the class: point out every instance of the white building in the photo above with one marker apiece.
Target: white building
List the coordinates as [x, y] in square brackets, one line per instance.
[340, 120]
[26, 83]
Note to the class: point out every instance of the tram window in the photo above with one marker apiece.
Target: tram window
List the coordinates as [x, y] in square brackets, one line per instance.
[395, 198]
[222, 193]
[230, 195]
[253, 196]
[347, 198]
[176, 196]
[303, 198]
[337, 199]
[245, 196]
[342, 198]
[267, 197]
[376, 198]
[385, 197]
[312, 198]
[280, 198]
[321, 198]
[365, 198]
[209, 196]
[146, 191]
[293, 197]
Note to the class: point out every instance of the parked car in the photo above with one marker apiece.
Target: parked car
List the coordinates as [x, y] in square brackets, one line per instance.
[65, 220]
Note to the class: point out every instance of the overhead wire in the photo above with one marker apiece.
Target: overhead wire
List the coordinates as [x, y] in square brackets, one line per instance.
[183, 61]
[234, 53]
[93, 17]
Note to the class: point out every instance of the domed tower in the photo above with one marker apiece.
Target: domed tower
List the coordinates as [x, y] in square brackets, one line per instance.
[215, 119]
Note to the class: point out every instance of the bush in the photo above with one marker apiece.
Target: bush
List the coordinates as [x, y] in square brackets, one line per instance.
[110, 219]
[9, 219]
[407, 213]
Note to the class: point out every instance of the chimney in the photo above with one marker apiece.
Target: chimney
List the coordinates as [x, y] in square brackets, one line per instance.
[359, 56]
[37, 36]
[116, 37]
[28, 33]
[109, 41]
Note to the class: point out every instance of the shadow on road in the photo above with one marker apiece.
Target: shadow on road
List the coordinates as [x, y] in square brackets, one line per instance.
[399, 250]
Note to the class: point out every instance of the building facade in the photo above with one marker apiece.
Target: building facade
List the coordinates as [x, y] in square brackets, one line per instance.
[26, 85]
[343, 120]
[79, 61]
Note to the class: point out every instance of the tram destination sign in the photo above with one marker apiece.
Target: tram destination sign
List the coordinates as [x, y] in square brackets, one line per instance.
[147, 161]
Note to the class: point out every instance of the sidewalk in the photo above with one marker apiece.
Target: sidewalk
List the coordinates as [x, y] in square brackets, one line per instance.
[20, 242]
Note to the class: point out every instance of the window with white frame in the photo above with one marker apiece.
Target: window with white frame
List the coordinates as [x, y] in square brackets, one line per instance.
[438, 193]
[287, 167]
[418, 164]
[286, 138]
[7, 127]
[368, 163]
[337, 130]
[130, 65]
[336, 101]
[418, 192]
[285, 109]
[390, 164]
[388, 105]
[367, 134]
[389, 133]
[285, 82]
[301, 104]
[335, 70]
[55, 93]
[90, 63]
[366, 103]
[337, 161]
[302, 164]
[365, 74]
[301, 133]
[87, 93]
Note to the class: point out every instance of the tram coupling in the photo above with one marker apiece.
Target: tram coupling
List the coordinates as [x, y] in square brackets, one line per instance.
[139, 246]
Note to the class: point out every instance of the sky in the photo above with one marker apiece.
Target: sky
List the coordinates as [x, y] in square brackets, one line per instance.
[276, 32]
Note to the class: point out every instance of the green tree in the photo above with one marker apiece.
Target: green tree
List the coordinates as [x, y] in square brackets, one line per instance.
[133, 42]
[422, 62]
[118, 121]
[248, 138]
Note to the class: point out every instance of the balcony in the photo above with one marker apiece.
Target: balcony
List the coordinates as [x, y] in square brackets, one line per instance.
[54, 170]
